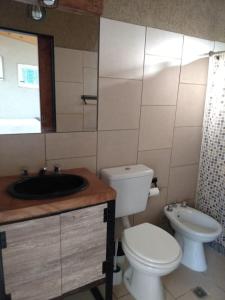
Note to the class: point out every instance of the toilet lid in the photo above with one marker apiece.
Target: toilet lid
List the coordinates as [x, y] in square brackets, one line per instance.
[152, 243]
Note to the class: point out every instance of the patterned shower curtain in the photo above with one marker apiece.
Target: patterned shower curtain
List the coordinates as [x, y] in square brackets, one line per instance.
[211, 181]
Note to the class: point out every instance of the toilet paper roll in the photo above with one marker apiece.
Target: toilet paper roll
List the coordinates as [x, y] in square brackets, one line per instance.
[154, 192]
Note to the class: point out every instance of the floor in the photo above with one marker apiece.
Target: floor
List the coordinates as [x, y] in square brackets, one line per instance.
[180, 284]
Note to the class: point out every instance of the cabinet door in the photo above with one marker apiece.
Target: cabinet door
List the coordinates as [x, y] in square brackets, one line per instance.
[83, 244]
[31, 260]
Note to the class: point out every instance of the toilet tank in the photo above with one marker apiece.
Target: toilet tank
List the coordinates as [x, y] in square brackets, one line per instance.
[132, 184]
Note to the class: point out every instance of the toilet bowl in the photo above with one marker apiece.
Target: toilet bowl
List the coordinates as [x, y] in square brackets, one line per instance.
[151, 253]
[192, 229]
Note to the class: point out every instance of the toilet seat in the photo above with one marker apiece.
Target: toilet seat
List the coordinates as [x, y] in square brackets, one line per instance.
[151, 245]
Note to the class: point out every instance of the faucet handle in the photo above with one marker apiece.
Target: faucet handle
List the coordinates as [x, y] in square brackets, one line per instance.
[184, 204]
[170, 207]
[24, 172]
[57, 169]
[43, 171]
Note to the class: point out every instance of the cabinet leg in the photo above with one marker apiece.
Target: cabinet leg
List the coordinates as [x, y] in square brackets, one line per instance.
[110, 250]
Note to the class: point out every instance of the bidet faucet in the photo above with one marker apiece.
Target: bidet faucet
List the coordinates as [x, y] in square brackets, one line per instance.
[184, 204]
[169, 207]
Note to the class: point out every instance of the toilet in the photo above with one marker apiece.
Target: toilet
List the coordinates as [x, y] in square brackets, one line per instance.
[192, 229]
[150, 251]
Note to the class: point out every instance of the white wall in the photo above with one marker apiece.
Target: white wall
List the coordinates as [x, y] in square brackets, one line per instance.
[17, 102]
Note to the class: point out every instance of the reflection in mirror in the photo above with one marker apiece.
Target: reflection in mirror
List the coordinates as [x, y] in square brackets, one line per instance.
[26, 91]
[19, 87]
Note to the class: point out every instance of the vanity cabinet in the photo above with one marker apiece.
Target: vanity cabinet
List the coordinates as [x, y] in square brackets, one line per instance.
[47, 257]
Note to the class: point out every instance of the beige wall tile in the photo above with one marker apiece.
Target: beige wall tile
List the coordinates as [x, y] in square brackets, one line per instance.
[182, 183]
[194, 71]
[119, 103]
[186, 146]
[68, 97]
[69, 122]
[219, 46]
[190, 105]
[161, 79]
[68, 65]
[159, 161]
[74, 162]
[76, 144]
[21, 151]
[121, 49]
[90, 117]
[154, 211]
[156, 128]
[90, 81]
[194, 65]
[117, 148]
[194, 47]
[163, 43]
[90, 59]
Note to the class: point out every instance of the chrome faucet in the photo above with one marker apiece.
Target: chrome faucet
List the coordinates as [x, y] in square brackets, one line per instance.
[57, 169]
[184, 204]
[43, 171]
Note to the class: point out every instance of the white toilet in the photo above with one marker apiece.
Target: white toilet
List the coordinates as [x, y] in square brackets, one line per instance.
[150, 250]
[192, 229]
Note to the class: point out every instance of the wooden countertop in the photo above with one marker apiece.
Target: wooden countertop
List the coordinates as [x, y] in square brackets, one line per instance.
[13, 210]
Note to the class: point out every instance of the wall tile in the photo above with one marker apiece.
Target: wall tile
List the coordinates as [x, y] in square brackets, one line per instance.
[90, 59]
[219, 46]
[119, 103]
[195, 61]
[117, 148]
[182, 183]
[194, 71]
[69, 122]
[74, 162]
[68, 65]
[90, 117]
[115, 40]
[190, 105]
[90, 81]
[161, 79]
[159, 161]
[68, 97]
[194, 47]
[186, 146]
[163, 43]
[154, 211]
[76, 144]
[156, 127]
[21, 151]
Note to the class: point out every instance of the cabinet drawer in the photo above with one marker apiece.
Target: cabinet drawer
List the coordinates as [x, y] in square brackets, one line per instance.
[83, 246]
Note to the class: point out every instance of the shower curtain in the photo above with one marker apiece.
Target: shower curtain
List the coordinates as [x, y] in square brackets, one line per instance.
[211, 181]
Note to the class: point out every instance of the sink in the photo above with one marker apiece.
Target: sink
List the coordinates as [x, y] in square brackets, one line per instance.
[47, 186]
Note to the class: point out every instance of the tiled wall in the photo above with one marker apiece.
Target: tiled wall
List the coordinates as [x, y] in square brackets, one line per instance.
[152, 92]
[76, 75]
[151, 99]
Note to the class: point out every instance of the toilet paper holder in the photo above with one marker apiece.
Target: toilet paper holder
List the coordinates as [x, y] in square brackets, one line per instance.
[154, 190]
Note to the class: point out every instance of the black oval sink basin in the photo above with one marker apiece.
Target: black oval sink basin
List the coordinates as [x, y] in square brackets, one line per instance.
[47, 186]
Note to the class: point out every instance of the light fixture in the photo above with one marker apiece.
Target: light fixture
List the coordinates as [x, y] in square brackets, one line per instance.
[36, 12]
[49, 3]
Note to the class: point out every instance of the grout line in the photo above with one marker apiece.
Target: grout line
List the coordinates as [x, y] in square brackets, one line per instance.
[185, 165]
[71, 157]
[120, 78]
[142, 87]
[172, 146]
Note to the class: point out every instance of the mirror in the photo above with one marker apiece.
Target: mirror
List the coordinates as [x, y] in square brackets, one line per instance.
[48, 77]
[27, 102]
